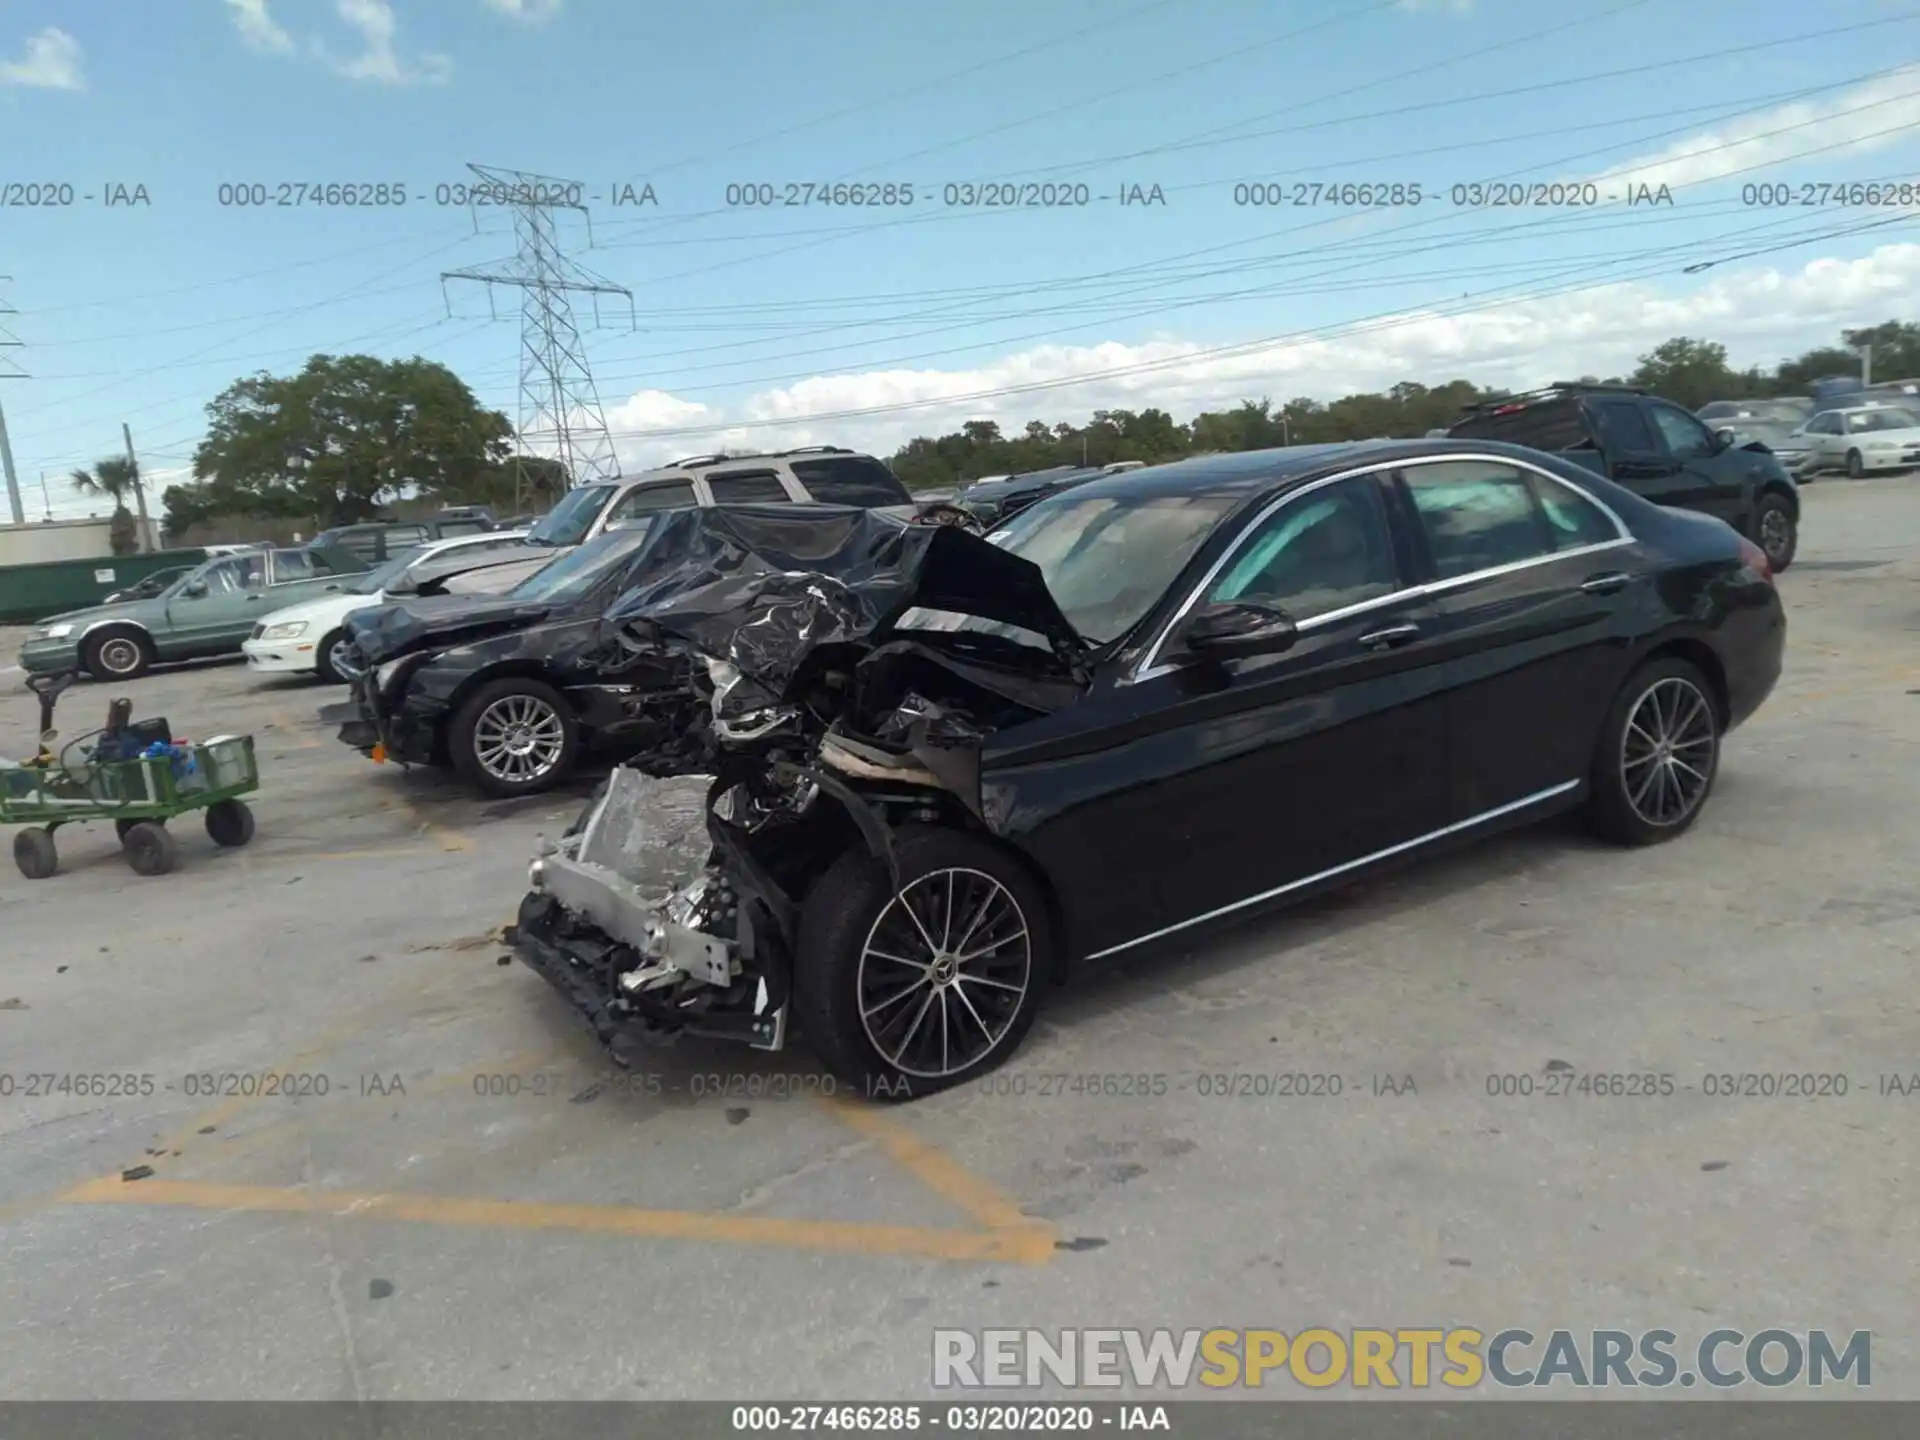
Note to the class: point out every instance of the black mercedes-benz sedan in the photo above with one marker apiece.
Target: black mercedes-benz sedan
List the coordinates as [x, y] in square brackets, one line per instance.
[1152, 703]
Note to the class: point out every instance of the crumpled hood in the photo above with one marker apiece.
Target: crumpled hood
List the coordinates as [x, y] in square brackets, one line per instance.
[764, 587]
[402, 627]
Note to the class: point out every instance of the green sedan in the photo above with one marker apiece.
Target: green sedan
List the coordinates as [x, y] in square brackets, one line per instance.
[208, 611]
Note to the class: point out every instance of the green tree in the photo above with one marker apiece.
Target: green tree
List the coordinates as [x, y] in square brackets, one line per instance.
[116, 477]
[1896, 349]
[343, 437]
[1688, 372]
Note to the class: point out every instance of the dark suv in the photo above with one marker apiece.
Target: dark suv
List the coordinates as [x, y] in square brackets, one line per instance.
[1657, 450]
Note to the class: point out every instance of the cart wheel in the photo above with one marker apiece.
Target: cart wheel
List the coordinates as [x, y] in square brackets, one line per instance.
[33, 852]
[150, 849]
[121, 827]
[229, 822]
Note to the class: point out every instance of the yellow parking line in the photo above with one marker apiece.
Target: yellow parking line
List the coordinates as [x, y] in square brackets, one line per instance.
[936, 1171]
[1023, 1247]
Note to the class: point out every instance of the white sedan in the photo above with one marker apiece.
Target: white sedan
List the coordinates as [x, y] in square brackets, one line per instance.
[1864, 440]
[310, 638]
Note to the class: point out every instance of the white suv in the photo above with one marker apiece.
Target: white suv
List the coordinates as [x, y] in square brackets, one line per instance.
[825, 474]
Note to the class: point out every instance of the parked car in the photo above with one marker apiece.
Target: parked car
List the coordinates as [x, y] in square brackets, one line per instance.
[508, 689]
[310, 638]
[377, 541]
[957, 770]
[823, 473]
[1863, 440]
[208, 611]
[148, 585]
[1655, 449]
[995, 501]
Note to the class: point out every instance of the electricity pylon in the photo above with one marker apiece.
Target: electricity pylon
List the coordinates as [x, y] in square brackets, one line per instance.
[560, 412]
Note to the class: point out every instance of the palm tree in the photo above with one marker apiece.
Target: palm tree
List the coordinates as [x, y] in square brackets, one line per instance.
[116, 477]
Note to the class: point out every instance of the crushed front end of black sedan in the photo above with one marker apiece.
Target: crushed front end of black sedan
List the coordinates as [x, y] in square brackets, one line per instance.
[824, 723]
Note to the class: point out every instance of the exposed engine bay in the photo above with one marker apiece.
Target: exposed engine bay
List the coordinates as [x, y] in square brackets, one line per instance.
[825, 723]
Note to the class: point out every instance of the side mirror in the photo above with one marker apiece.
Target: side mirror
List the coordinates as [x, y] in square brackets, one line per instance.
[1234, 631]
[1724, 439]
[194, 589]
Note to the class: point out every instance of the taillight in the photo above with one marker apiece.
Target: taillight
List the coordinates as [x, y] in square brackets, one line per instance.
[1752, 556]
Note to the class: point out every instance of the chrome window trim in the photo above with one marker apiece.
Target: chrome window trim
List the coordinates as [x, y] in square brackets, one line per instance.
[1147, 669]
[1523, 803]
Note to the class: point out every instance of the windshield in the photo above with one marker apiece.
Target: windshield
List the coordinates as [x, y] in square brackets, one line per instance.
[1105, 559]
[568, 522]
[1887, 419]
[575, 575]
[385, 575]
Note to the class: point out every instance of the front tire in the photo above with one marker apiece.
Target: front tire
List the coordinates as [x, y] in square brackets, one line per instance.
[34, 853]
[1775, 531]
[904, 995]
[514, 737]
[118, 655]
[150, 849]
[1658, 755]
[324, 663]
[229, 823]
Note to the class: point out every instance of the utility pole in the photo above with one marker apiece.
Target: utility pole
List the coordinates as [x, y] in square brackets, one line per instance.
[139, 489]
[6, 449]
[1866, 365]
[46, 498]
[559, 406]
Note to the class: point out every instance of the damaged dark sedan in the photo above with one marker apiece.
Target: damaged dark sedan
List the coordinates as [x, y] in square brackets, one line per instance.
[948, 772]
[510, 689]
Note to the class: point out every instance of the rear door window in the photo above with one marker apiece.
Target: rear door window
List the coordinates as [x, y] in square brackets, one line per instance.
[1624, 428]
[1478, 516]
[747, 487]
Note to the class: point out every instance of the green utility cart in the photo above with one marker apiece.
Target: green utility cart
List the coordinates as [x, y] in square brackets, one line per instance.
[135, 775]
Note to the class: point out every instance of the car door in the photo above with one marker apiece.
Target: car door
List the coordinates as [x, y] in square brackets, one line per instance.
[1717, 479]
[1533, 581]
[222, 614]
[1824, 431]
[1253, 776]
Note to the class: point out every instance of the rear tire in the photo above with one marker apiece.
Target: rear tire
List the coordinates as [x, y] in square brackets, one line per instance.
[1658, 755]
[988, 947]
[34, 853]
[150, 849]
[118, 655]
[229, 823]
[1775, 531]
[1856, 465]
[514, 737]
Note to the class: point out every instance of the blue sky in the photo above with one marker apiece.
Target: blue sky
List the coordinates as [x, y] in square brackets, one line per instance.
[892, 321]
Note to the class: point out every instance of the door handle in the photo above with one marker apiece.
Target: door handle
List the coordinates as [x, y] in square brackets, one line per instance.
[1391, 636]
[1606, 584]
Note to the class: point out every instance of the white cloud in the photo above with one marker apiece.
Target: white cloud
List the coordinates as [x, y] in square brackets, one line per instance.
[1870, 116]
[51, 62]
[534, 10]
[1760, 314]
[257, 28]
[379, 60]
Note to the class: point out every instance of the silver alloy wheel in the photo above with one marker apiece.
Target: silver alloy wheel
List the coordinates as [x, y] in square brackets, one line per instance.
[1667, 751]
[1775, 532]
[518, 739]
[943, 972]
[120, 655]
[340, 658]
